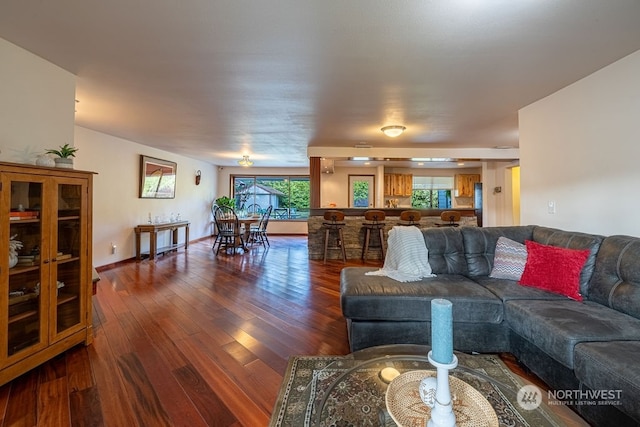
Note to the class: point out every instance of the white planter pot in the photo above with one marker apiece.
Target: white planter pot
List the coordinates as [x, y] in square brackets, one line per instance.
[64, 162]
[45, 160]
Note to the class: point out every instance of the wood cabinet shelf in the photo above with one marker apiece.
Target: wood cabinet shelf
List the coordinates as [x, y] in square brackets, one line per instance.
[62, 299]
[22, 298]
[41, 319]
[24, 221]
[18, 269]
[22, 316]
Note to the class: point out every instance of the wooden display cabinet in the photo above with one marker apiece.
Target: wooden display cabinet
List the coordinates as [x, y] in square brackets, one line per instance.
[45, 299]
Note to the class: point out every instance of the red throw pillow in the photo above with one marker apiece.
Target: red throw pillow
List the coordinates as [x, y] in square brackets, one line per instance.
[554, 269]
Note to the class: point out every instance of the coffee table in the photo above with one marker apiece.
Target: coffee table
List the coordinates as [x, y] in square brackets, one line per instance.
[350, 390]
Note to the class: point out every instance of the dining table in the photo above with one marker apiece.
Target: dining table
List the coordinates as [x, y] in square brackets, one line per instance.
[244, 222]
[245, 225]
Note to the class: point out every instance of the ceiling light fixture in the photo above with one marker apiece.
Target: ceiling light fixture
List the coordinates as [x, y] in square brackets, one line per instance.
[245, 161]
[393, 131]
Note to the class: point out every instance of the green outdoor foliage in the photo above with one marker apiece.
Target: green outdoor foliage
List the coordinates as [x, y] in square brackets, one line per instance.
[361, 194]
[284, 193]
[64, 151]
[427, 199]
[297, 193]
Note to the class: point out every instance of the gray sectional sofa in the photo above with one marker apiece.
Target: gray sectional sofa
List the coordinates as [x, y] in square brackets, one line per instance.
[587, 345]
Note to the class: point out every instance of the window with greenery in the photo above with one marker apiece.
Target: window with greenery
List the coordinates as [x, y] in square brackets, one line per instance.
[288, 195]
[432, 192]
[361, 194]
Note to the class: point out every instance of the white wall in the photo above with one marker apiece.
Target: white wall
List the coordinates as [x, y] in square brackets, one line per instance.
[580, 148]
[275, 226]
[117, 209]
[36, 105]
[334, 187]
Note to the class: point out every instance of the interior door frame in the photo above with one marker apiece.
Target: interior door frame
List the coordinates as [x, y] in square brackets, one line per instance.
[372, 188]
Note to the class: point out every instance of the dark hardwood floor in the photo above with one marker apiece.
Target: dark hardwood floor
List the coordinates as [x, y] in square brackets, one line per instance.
[189, 340]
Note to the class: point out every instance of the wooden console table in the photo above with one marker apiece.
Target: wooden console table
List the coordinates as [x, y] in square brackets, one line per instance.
[153, 230]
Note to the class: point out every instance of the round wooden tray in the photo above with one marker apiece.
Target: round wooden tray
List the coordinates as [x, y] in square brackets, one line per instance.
[407, 408]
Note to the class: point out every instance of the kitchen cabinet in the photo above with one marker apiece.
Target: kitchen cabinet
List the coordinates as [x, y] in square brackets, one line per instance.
[398, 184]
[388, 184]
[408, 184]
[46, 290]
[465, 184]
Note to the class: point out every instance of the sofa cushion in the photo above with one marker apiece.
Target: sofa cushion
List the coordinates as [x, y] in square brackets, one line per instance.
[572, 240]
[616, 277]
[612, 365]
[509, 260]
[480, 245]
[446, 250]
[373, 298]
[510, 289]
[557, 326]
[554, 269]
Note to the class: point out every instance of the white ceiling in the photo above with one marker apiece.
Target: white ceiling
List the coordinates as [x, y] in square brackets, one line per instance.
[215, 79]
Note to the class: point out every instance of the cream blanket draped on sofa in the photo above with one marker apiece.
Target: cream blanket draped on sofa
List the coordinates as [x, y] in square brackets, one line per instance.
[407, 258]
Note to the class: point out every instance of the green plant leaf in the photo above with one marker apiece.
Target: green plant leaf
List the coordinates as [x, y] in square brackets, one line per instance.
[64, 151]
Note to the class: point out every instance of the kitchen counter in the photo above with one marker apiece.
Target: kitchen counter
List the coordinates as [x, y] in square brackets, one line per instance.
[391, 211]
[354, 233]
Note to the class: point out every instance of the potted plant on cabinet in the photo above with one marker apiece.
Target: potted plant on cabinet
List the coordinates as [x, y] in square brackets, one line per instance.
[65, 156]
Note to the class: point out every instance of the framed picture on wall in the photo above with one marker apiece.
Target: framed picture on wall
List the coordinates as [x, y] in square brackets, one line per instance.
[157, 178]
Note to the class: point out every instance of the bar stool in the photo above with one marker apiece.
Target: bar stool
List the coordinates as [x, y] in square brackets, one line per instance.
[410, 217]
[451, 216]
[374, 223]
[334, 221]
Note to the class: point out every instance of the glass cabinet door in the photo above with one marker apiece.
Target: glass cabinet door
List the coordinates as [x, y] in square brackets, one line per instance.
[68, 291]
[25, 303]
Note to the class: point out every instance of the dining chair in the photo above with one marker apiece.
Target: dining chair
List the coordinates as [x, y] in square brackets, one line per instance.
[253, 208]
[229, 234]
[258, 233]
